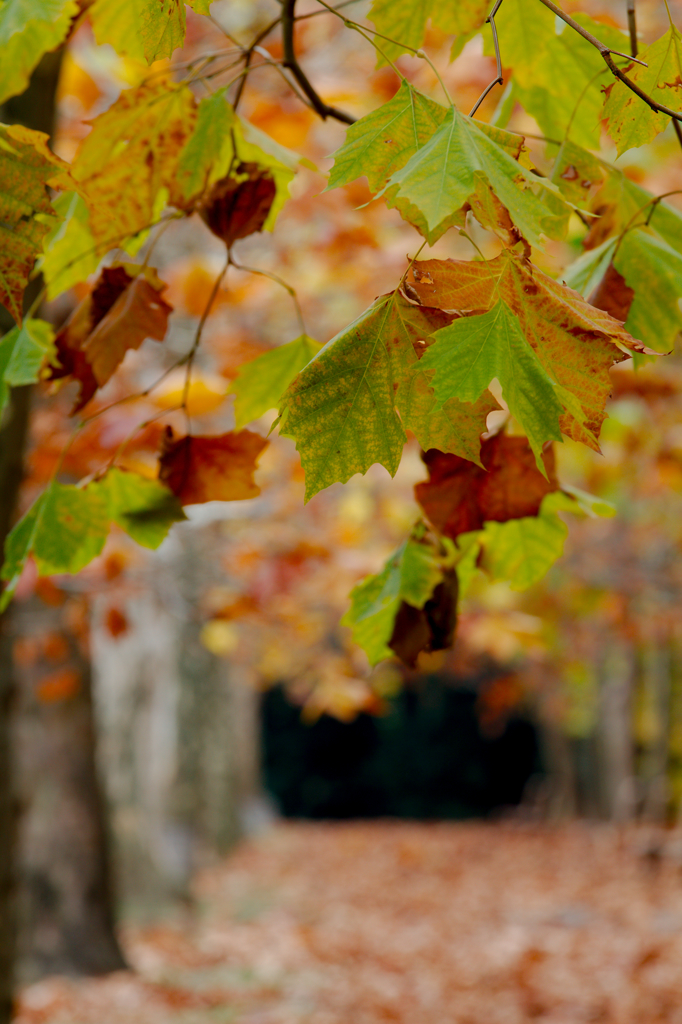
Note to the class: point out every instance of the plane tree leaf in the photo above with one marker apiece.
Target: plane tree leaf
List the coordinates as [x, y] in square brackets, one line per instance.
[124, 307]
[630, 121]
[126, 166]
[260, 384]
[574, 343]
[31, 348]
[402, 20]
[460, 497]
[410, 575]
[576, 171]
[382, 142]
[524, 29]
[27, 31]
[27, 167]
[219, 468]
[145, 30]
[432, 190]
[521, 551]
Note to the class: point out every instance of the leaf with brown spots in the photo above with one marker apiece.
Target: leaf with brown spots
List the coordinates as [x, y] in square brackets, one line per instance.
[123, 308]
[239, 204]
[221, 468]
[570, 343]
[131, 156]
[27, 167]
[459, 496]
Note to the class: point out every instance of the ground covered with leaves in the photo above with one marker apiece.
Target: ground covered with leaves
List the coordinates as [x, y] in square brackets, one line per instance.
[417, 923]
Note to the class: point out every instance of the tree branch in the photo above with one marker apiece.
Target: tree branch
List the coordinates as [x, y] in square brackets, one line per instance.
[291, 63]
[632, 27]
[606, 52]
[499, 80]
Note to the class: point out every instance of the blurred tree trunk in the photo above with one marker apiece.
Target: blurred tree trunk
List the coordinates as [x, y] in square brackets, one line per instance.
[65, 902]
[615, 744]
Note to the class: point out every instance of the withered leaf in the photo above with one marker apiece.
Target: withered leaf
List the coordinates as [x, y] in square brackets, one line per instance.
[459, 496]
[238, 205]
[219, 468]
[431, 628]
[123, 309]
[613, 295]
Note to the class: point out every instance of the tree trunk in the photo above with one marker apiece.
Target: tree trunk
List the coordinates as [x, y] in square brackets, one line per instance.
[65, 901]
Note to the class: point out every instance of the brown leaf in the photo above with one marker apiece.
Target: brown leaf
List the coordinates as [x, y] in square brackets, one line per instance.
[431, 628]
[199, 469]
[460, 496]
[123, 308]
[613, 295]
[239, 204]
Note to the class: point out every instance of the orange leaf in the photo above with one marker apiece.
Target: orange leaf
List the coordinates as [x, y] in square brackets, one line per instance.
[116, 623]
[60, 685]
[199, 469]
[123, 308]
[459, 496]
[238, 206]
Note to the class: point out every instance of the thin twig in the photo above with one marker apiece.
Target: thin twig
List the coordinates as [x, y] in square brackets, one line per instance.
[278, 280]
[291, 62]
[632, 26]
[248, 55]
[499, 80]
[606, 52]
[197, 337]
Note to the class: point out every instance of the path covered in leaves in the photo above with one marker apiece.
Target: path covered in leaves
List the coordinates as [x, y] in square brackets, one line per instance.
[364, 923]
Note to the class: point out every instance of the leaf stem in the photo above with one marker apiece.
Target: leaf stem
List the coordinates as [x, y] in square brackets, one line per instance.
[200, 328]
[499, 80]
[278, 280]
[632, 27]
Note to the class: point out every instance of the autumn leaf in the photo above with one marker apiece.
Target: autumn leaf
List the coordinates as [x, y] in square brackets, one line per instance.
[431, 628]
[69, 250]
[27, 167]
[199, 469]
[238, 205]
[383, 141]
[612, 294]
[402, 20]
[524, 29]
[410, 575]
[208, 153]
[569, 345]
[27, 31]
[145, 30]
[460, 497]
[260, 384]
[576, 171]
[126, 166]
[24, 351]
[123, 309]
[632, 122]
[432, 190]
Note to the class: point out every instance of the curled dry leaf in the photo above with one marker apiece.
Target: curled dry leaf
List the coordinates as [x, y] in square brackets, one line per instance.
[123, 308]
[238, 205]
[460, 496]
[431, 628]
[220, 468]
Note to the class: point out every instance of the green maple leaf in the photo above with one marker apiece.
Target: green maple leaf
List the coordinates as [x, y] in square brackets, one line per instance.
[341, 408]
[474, 350]
[455, 428]
[64, 529]
[23, 352]
[631, 122]
[260, 384]
[432, 190]
[208, 153]
[383, 141]
[69, 250]
[540, 86]
[522, 550]
[524, 28]
[144, 508]
[410, 574]
[144, 29]
[402, 20]
[27, 31]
